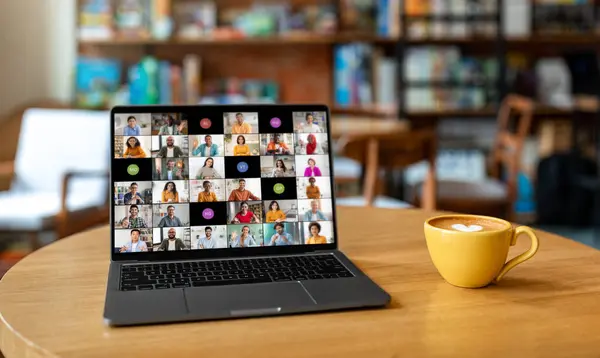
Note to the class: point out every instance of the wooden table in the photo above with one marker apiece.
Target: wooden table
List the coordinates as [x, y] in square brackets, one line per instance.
[51, 305]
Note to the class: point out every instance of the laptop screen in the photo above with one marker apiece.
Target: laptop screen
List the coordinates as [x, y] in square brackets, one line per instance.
[220, 178]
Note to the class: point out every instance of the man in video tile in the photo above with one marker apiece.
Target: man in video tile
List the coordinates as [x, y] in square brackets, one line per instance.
[172, 243]
[241, 194]
[281, 238]
[170, 219]
[171, 173]
[277, 146]
[170, 127]
[133, 197]
[206, 242]
[135, 245]
[240, 127]
[133, 220]
[170, 150]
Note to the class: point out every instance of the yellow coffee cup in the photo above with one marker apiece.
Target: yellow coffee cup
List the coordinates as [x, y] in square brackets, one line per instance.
[471, 250]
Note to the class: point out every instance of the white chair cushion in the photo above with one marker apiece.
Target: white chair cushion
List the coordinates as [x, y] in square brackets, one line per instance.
[346, 168]
[27, 211]
[53, 141]
[379, 202]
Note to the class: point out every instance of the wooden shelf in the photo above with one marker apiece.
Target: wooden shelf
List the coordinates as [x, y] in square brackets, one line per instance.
[369, 111]
[448, 113]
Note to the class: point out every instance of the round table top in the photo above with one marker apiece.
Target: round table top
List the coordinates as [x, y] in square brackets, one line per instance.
[51, 304]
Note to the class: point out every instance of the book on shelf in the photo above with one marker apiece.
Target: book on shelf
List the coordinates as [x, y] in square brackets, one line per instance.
[388, 18]
[95, 20]
[132, 19]
[191, 78]
[363, 76]
[96, 80]
[195, 19]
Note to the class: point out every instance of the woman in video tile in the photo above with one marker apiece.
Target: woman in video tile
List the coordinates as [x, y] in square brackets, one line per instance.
[208, 171]
[312, 170]
[279, 170]
[169, 193]
[245, 216]
[207, 196]
[275, 214]
[244, 239]
[315, 238]
[241, 148]
[134, 149]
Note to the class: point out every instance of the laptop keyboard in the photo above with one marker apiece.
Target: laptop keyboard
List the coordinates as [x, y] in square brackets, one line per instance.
[230, 272]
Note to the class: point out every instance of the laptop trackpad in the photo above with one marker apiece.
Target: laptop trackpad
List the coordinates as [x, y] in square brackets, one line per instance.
[244, 300]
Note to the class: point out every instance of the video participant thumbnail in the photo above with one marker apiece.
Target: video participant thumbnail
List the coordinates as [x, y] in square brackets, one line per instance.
[209, 145]
[170, 169]
[312, 143]
[244, 212]
[241, 145]
[282, 234]
[314, 187]
[173, 146]
[207, 191]
[168, 124]
[315, 210]
[277, 144]
[243, 189]
[128, 193]
[133, 240]
[317, 232]
[279, 188]
[173, 191]
[312, 165]
[132, 147]
[209, 237]
[132, 124]
[245, 235]
[240, 122]
[171, 215]
[280, 166]
[171, 239]
[310, 122]
[280, 211]
[132, 170]
[207, 168]
[202, 214]
[133, 216]
[275, 119]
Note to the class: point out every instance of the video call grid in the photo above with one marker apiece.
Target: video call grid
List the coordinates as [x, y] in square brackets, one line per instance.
[227, 213]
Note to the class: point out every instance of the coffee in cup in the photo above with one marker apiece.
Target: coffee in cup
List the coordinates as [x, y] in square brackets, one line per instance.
[471, 250]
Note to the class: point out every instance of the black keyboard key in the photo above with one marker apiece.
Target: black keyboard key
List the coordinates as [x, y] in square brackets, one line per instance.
[220, 272]
[213, 278]
[315, 277]
[181, 285]
[180, 280]
[166, 280]
[198, 279]
[191, 274]
[156, 277]
[282, 279]
[345, 274]
[245, 276]
[230, 282]
[160, 286]
[173, 275]
[229, 277]
[153, 272]
[261, 275]
[145, 287]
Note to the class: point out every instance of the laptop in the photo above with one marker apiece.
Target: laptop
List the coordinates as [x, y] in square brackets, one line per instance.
[225, 212]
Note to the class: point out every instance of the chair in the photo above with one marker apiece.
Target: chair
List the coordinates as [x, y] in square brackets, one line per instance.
[384, 152]
[59, 177]
[496, 195]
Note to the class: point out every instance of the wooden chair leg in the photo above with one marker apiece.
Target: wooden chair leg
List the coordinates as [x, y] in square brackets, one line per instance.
[34, 240]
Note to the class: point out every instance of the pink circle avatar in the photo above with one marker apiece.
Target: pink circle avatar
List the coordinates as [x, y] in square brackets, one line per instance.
[205, 123]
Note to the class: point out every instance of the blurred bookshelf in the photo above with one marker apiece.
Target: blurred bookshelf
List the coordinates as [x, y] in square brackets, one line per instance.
[426, 59]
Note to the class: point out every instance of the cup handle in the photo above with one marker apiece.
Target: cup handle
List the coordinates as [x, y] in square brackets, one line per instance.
[535, 244]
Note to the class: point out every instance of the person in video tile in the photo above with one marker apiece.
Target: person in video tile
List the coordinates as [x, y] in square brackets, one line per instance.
[310, 127]
[135, 245]
[133, 197]
[169, 193]
[281, 238]
[170, 150]
[172, 243]
[313, 191]
[279, 170]
[170, 128]
[171, 173]
[134, 149]
[314, 214]
[241, 148]
[206, 149]
[275, 214]
[207, 242]
[133, 220]
[244, 239]
[312, 170]
[245, 216]
[207, 196]
[315, 238]
[132, 127]
[312, 147]
[277, 146]
[208, 171]
[170, 219]
[241, 194]
[240, 127]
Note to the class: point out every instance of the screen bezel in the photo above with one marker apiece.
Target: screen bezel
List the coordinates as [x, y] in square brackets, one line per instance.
[225, 252]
